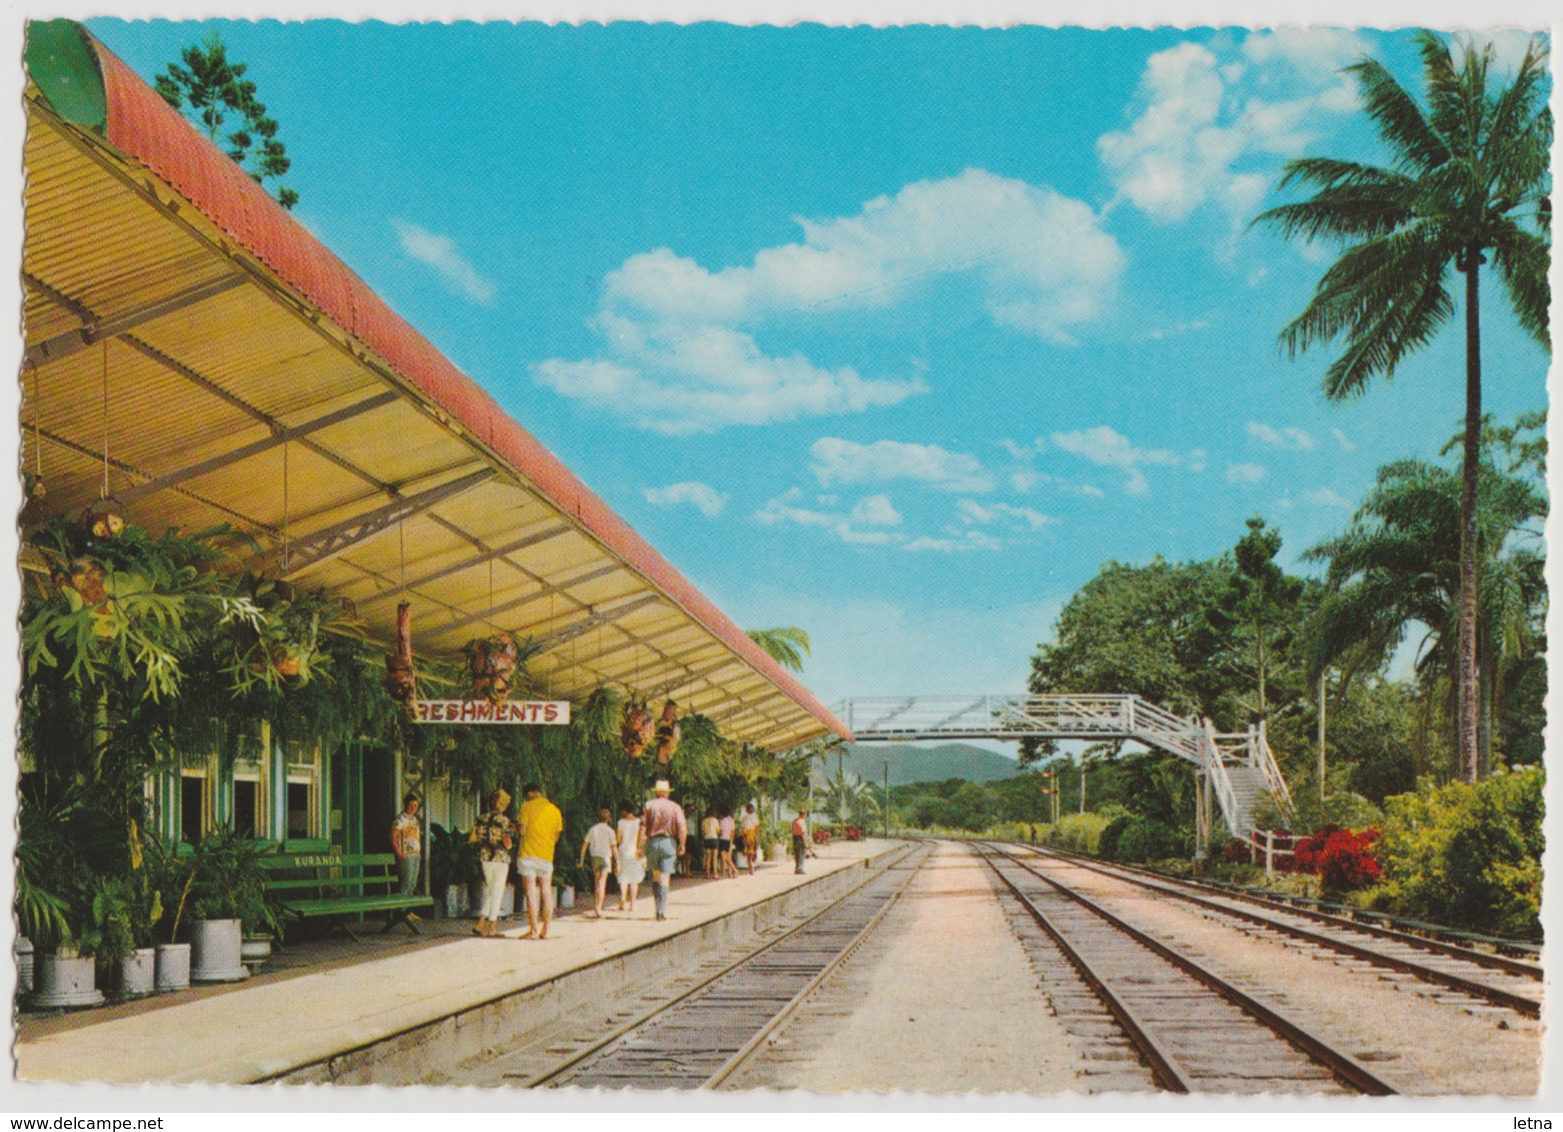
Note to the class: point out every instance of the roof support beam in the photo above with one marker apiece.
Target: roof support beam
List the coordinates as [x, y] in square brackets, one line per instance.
[686, 662]
[322, 546]
[467, 564]
[550, 641]
[72, 341]
[630, 643]
[528, 598]
[282, 436]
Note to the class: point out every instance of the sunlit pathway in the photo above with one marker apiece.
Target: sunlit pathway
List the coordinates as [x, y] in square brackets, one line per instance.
[941, 999]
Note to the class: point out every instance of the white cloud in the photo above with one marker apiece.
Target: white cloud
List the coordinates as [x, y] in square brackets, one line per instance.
[678, 348]
[1343, 440]
[1285, 437]
[1203, 116]
[1042, 262]
[1315, 53]
[1019, 451]
[1198, 460]
[439, 252]
[876, 511]
[984, 514]
[712, 376]
[705, 499]
[1324, 497]
[1245, 473]
[839, 461]
[1109, 448]
[965, 541]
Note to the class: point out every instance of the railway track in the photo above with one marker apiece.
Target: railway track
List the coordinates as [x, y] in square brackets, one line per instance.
[1498, 979]
[1195, 1031]
[705, 1034]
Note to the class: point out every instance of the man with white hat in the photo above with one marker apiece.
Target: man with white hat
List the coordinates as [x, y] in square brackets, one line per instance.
[666, 829]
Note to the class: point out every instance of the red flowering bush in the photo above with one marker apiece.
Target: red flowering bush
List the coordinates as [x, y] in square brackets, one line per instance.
[1342, 858]
[854, 833]
[822, 837]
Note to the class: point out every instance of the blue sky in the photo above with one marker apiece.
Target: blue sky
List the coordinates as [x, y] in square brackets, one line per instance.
[895, 335]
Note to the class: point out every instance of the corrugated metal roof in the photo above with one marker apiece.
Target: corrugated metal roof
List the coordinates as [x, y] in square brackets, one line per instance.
[154, 212]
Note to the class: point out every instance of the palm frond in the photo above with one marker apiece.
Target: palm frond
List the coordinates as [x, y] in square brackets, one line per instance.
[786, 645]
[1398, 118]
[1521, 260]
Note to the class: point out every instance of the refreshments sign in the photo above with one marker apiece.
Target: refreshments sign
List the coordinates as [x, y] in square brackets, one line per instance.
[482, 711]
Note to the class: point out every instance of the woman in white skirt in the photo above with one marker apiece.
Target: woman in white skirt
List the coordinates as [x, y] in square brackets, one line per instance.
[632, 857]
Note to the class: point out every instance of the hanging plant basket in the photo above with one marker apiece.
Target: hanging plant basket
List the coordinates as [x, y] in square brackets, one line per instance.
[105, 518]
[636, 728]
[492, 663]
[400, 679]
[667, 733]
[286, 661]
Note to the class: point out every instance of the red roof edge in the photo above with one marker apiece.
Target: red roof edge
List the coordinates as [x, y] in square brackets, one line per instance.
[145, 128]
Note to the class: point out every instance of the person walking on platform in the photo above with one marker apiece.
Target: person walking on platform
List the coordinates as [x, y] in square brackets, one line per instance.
[666, 832]
[708, 835]
[603, 846]
[632, 857]
[800, 841]
[749, 834]
[541, 823]
[725, 827]
[407, 844]
[494, 834]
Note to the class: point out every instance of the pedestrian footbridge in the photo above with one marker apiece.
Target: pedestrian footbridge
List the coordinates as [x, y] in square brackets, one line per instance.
[1236, 769]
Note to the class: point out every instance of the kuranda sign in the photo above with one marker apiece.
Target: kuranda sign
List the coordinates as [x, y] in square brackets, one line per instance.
[482, 711]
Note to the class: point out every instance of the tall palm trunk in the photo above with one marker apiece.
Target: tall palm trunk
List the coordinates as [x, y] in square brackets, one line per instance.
[1469, 749]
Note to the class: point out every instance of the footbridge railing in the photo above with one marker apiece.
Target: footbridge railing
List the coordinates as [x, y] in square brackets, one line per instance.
[1238, 767]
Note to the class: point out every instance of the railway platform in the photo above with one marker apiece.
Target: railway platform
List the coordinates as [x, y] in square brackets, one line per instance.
[358, 1020]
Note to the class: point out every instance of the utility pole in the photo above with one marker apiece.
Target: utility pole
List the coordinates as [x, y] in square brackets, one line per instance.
[1082, 784]
[1321, 736]
[887, 799]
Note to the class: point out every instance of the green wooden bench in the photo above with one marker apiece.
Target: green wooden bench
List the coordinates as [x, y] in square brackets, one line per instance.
[339, 885]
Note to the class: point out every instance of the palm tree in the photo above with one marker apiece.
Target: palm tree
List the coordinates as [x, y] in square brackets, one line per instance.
[1397, 566]
[848, 799]
[785, 645]
[1469, 181]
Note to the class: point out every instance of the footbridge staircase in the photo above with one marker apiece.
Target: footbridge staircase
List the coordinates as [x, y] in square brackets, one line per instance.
[1237, 770]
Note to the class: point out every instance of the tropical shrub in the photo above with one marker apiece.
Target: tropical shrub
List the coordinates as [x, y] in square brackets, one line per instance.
[1107, 843]
[1146, 839]
[1343, 859]
[1468, 855]
[1080, 833]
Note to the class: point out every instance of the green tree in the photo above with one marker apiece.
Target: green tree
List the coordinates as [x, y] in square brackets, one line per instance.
[210, 88]
[1396, 567]
[1468, 184]
[1132, 629]
[1254, 618]
[786, 645]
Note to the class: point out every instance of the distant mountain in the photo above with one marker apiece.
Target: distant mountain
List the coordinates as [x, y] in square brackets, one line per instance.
[911, 763]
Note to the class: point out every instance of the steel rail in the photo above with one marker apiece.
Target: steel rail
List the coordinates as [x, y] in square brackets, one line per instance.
[1346, 1069]
[1164, 1066]
[1436, 946]
[752, 1046]
[1522, 1004]
[640, 1020]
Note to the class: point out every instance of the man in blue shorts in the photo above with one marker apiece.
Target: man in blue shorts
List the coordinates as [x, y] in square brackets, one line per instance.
[666, 830]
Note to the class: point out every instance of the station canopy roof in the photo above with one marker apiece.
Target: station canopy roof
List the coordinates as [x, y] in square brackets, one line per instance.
[236, 371]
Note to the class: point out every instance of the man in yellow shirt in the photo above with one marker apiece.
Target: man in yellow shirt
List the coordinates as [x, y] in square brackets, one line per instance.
[540, 823]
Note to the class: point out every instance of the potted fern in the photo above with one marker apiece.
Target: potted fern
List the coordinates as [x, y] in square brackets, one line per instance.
[229, 884]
